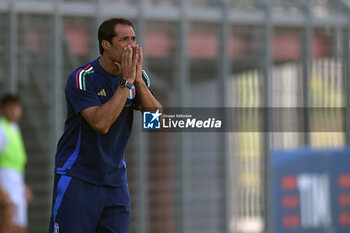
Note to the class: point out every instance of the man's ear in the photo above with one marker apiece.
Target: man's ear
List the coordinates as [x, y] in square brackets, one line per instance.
[106, 45]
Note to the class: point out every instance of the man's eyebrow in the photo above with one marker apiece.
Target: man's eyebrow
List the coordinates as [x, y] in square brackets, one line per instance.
[126, 37]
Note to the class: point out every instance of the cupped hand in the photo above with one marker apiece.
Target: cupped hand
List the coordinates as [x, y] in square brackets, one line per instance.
[128, 64]
[139, 64]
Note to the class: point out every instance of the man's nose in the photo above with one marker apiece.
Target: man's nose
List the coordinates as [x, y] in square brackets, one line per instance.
[131, 43]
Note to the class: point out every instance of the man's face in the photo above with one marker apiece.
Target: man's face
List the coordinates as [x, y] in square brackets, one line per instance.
[125, 37]
[12, 112]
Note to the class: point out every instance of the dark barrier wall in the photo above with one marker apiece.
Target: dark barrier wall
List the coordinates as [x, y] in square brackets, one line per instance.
[310, 191]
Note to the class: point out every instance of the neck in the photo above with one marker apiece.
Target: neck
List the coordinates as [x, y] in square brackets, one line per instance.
[108, 65]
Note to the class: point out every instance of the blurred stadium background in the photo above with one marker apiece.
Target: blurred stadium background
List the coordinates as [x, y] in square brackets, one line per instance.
[198, 53]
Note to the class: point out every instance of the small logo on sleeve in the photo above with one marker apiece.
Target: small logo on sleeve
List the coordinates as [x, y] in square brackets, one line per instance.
[151, 120]
[132, 93]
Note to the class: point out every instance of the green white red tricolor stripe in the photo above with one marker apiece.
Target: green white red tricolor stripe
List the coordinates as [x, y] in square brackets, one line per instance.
[146, 77]
[80, 76]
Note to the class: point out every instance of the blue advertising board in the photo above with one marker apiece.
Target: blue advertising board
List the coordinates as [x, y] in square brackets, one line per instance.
[310, 191]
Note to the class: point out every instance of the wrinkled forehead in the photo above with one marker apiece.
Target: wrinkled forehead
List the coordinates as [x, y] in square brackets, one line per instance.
[122, 30]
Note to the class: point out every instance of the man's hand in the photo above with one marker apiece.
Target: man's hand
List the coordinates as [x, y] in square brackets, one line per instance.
[128, 64]
[147, 100]
[138, 79]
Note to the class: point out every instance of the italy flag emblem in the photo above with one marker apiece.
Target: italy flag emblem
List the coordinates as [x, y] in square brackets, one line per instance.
[132, 93]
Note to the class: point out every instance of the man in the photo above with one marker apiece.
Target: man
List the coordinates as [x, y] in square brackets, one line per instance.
[12, 165]
[90, 188]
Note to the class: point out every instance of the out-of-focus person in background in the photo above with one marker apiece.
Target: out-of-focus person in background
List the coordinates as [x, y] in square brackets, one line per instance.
[12, 163]
[6, 212]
